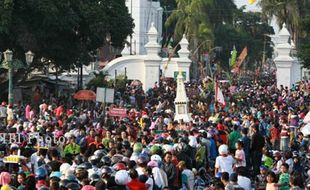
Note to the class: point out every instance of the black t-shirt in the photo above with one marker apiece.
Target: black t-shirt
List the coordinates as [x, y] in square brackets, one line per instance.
[55, 165]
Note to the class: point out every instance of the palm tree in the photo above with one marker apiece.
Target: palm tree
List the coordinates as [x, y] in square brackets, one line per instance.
[190, 19]
[285, 11]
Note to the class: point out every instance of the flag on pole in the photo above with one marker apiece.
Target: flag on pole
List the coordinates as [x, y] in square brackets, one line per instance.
[219, 97]
[240, 60]
[233, 57]
[251, 1]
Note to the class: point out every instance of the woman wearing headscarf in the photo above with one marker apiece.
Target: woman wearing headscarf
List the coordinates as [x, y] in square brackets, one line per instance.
[5, 179]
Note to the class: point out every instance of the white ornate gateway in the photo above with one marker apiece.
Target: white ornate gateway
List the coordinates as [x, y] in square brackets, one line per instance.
[288, 67]
[146, 68]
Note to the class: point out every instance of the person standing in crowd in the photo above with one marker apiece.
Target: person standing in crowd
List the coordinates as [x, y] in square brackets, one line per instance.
[240, 155]
[224, 162]
[261, 179]
[271, 181]
[170, 169]
[246, 141]
[257, 144]
[225, 181]
[135, 184]
[187, 176]
[284, 135]
[233, 178]
[3, 113]
[72, 148]
[233, 138]
[284, 179]
[274, 136]
[295, 182]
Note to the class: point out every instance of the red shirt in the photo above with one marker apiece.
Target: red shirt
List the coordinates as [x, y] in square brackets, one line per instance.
[90, 139]
[136, 185]
[274, 133]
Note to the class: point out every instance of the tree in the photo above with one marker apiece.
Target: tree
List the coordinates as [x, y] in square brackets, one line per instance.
[248, 29]
[304, 49]
[190, 19]
[62, 32]
[286, 11]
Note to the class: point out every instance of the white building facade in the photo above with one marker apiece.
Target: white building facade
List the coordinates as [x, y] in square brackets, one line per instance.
[143, 12]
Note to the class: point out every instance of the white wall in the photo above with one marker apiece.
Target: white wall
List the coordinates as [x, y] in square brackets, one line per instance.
[134, 67]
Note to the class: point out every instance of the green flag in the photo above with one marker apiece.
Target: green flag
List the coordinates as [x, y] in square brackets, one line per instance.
[233, 57]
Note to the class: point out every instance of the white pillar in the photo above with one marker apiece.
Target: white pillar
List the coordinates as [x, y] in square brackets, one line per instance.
[152, 60]
[183, 62]
[283, 61]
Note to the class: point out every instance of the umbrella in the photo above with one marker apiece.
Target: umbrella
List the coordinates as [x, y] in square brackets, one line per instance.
[305, 130]
[85, 95]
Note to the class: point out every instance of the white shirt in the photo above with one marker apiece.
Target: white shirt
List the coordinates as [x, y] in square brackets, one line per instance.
[277, 169]
[290, 163]
[244, 182]
[240, 155]
[150, 183]
[34, 159]
[190, 178]
[225, 164]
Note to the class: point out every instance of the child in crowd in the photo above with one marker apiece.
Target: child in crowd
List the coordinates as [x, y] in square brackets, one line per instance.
[266, 158]
[271, 181]
[240, 155]
[276, 168]
[284, 179]
[261, 179]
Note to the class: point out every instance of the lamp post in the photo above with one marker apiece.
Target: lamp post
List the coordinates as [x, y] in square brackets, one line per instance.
[10, 64]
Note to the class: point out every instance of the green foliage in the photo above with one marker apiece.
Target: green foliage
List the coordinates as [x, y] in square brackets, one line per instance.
[101, 81]
[211, 23]
[248, 29]
[191, 19]
[62, 32]
[304, 48]
[98, 81]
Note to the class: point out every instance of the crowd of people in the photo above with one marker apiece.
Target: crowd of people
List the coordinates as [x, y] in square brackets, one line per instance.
[254, 142]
